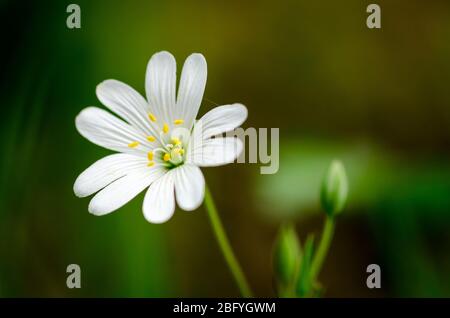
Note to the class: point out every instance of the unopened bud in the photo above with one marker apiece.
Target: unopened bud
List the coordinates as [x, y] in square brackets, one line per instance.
[334, 189]
[287, 254]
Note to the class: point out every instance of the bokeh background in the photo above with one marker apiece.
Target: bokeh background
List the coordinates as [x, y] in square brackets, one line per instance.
[377, 99]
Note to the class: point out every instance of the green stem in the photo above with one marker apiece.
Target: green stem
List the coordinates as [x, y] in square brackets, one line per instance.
[325, 241]
[225, 246]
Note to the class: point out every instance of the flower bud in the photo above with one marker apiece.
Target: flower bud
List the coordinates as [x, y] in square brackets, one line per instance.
[286, 256]
[334, 189]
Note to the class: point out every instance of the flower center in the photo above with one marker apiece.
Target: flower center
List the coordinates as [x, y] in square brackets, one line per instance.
[172, 154]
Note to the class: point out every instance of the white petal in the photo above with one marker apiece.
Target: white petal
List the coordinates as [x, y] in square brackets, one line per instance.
[159, 201]
[124, 189]
[127, 103]
[192, 87]
[160, 85]
[214, 152]
[106, 170]
[219, 120]
[106, 130]
[189, 186]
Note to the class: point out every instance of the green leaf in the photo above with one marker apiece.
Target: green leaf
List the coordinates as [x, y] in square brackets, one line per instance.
[304, 282]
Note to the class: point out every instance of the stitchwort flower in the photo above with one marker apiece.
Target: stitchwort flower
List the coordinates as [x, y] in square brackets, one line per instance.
[161, 146]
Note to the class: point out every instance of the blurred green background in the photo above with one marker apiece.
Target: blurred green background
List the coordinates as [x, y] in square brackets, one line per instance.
[377, 99]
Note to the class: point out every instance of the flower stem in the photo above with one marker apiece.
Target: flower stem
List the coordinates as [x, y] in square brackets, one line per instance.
[225, 246]
[322, 250]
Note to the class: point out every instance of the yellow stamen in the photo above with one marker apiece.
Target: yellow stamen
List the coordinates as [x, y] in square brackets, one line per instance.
[165, 128]
[181, 151]
[152, 117]
[166, 157]
[151, 163]
[133, 144]
[176, 141]
[178, 121]
[151, 138]
[150, 155]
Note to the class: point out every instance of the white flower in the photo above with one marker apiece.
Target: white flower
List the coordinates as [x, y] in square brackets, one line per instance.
[159, 146]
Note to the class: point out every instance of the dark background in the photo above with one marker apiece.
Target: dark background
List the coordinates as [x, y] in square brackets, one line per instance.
[377, 99]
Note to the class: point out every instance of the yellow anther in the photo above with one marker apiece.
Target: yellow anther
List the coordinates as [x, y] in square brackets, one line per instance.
[166, 157]
[176, 141]
[151, 163]
[165, 128]
[178, 121]
[152, 117]
[181, 151]
[150, 155]
[151, 138]
[133, 144]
